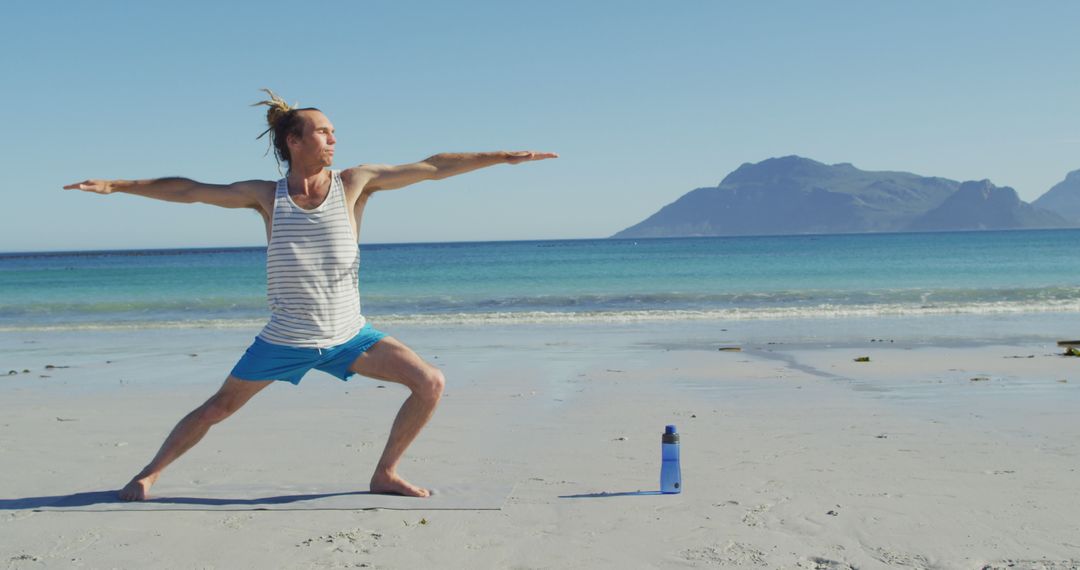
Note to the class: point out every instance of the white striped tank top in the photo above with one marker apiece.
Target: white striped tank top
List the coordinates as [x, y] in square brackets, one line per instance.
[312, 272]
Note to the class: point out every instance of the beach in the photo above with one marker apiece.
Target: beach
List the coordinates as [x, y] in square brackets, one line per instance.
[832, 248]
[953, 447]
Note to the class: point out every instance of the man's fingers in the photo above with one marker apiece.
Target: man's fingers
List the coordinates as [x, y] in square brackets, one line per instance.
[526, 155]
[533, 155]
[84, 185]
[97, 186]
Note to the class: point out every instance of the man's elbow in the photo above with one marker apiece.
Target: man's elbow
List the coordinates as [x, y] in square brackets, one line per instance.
[186, 190]
[436, 167]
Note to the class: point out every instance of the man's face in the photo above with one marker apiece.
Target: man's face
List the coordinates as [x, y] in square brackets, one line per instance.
[317, 143]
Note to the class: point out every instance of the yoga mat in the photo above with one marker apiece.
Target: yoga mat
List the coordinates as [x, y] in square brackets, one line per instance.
[270, 498]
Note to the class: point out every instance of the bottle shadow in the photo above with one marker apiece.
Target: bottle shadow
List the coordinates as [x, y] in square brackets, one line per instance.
[605, 494]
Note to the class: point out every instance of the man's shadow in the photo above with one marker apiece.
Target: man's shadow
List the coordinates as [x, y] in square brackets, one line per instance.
[92, 498]
[106, 499]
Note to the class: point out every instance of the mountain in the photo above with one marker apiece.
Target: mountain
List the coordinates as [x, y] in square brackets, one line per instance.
[796, 195]
[983, 206]
[1063, 199]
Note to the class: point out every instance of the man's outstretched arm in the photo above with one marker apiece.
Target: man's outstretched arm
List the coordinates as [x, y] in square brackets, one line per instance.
[184, 190]
[443, 165]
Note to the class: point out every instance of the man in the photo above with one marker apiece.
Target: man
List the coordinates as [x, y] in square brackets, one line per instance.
[312, 219]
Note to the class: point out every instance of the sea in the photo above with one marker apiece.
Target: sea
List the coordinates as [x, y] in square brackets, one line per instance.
[569, 281]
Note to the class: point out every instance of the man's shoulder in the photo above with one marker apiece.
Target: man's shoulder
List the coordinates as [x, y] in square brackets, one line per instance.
[262, 191]
[260, 187]
[357, 177]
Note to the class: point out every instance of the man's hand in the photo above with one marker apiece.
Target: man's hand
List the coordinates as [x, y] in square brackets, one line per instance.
[95, 186]
[518, 157]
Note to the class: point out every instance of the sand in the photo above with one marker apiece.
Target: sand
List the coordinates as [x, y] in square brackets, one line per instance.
[958, 452]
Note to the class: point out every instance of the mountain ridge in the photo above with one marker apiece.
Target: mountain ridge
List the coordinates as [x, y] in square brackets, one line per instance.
[1063, 198]
[797, 195]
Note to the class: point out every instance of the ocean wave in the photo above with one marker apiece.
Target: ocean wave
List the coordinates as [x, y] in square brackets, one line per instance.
[125, 307]
[814, 302]
[823, 311]
[138, 325]
[761, 313]
[697, 300]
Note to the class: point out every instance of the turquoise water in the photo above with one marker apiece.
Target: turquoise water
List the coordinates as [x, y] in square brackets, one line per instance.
[574, 280]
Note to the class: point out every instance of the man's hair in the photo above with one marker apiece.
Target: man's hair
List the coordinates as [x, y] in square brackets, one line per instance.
[283, 121]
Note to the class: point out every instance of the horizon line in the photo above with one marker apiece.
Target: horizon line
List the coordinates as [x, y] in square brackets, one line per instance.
[206, 248]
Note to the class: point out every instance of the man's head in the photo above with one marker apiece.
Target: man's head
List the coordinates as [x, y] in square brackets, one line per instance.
[299, 136]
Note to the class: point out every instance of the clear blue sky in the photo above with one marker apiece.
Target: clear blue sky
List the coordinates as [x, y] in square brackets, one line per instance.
[644, 101]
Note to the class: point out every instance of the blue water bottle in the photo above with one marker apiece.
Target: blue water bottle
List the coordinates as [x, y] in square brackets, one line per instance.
[670, 473]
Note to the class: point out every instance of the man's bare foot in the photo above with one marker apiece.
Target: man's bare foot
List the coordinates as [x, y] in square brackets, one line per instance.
[136, 490]
[391, 484]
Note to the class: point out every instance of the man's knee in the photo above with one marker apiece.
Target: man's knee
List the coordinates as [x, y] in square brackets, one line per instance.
[431, 384]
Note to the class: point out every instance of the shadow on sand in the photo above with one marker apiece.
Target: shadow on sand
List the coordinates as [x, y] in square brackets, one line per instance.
[605, 494]
[92, 498]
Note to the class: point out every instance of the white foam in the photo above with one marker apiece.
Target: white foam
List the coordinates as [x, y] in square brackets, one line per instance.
[825, 311]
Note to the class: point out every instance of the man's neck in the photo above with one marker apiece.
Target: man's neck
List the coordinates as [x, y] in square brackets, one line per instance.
[307, 181]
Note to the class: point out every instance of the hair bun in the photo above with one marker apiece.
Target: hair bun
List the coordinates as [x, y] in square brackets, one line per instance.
[277, 108]
[284, 121]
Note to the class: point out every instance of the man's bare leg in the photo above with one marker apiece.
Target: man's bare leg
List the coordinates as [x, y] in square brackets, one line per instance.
[391, 360]
[233, 394]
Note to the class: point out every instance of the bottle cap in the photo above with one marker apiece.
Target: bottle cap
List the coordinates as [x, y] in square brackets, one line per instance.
[670, 435]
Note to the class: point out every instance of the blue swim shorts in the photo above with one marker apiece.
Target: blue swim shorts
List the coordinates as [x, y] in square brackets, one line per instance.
[267, 361]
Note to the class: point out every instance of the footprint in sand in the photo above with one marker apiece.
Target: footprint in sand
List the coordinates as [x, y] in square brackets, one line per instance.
[900, 559]
[355, 541]
[1041, 564]
[819, 563]
[753, 517]
[235, 522]
[733, 553]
